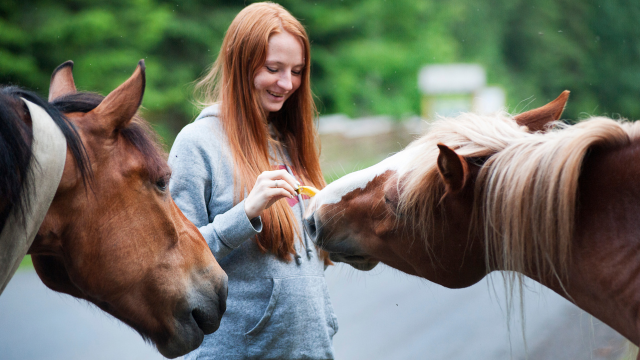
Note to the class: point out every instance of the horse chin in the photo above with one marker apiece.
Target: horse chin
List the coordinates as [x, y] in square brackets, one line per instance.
[366, 266]
[188, 336]
[359, 262]
[197, 317]
[189, 339]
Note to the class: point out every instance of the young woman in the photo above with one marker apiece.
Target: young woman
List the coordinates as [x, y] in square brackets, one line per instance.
[235, 172]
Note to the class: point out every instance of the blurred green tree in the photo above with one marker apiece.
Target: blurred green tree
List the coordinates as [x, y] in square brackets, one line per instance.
[366, 54]
[106, 39]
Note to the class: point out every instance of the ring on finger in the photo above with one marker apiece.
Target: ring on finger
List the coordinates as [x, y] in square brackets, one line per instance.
[276, 181]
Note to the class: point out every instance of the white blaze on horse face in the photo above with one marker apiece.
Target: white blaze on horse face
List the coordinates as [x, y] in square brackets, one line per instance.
[334, 192]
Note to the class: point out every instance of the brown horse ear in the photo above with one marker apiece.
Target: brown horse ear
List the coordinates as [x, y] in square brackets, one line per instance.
[62, 81]
[453, 169]
[536, 119]
[119, 107]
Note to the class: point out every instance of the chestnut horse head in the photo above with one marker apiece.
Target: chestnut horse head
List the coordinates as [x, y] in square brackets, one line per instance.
[113, 235]
[478, 194]
[360, 218]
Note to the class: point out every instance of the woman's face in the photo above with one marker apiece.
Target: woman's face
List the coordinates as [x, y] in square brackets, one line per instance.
[281, 74]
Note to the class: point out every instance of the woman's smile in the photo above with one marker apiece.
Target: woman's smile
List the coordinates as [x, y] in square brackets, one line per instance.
[276, 95]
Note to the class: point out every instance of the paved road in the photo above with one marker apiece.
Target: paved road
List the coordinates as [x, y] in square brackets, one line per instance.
[382, 314]
[385, 314]
[37, 323]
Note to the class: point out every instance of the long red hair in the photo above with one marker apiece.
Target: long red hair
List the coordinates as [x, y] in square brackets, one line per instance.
[230, 83]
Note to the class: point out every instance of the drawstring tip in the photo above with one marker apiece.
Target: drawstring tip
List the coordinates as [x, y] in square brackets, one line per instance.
[309, 251]
[298, 259]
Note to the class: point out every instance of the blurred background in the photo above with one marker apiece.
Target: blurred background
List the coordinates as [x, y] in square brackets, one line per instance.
[380, 68]
[366, 54]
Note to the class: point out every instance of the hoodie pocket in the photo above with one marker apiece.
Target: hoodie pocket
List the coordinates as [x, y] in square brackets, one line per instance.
[298, 322]
[275, 292]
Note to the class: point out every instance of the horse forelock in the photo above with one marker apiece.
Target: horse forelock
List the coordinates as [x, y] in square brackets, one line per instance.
[138, 132]
[470, 135]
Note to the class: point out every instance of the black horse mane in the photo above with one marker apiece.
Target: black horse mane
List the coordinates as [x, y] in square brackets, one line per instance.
[15, 152]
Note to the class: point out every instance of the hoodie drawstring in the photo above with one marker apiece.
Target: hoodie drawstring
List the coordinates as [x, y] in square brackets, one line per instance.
[304, 233]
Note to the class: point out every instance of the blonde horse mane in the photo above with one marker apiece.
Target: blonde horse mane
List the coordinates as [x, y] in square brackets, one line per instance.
[525, 191]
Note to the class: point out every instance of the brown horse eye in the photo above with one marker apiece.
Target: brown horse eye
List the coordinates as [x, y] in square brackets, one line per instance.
[161, 184]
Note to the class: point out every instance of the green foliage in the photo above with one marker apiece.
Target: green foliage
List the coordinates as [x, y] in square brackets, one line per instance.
[106, 40]
[26, 263]
[366, 54]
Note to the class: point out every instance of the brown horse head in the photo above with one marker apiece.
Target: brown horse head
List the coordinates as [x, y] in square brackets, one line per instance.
[401, 210]
[118, 240]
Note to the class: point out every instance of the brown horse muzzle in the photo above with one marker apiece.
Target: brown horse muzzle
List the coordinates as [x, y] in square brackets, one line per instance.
[208, 308]
[199, 315]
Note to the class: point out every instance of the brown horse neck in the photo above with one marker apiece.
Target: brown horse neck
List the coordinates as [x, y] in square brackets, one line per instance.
[604, 272]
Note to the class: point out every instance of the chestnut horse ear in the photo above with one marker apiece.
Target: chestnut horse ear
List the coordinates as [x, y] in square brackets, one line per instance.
[453, 169]
[119, 107]
[536, 119]
[62, 81]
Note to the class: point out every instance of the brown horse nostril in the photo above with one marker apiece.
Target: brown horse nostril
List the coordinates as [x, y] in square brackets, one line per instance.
[208, 304]
[222, 299]
[207, 319]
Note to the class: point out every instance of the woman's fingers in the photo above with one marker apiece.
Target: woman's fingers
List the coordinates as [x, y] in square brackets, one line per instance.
[275, 195]
[280, 179]
[281, 184]
[282, 175]
[270, 187]
[262, 198]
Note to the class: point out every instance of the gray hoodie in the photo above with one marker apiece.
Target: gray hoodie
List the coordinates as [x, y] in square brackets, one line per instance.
[275, 309]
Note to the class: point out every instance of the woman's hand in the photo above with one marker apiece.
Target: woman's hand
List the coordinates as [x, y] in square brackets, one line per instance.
[270, 187]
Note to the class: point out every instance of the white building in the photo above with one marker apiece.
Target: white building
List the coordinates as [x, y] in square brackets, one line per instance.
[450, 89]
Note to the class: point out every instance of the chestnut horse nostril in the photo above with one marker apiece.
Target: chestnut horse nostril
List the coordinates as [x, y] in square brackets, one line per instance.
[310, 227]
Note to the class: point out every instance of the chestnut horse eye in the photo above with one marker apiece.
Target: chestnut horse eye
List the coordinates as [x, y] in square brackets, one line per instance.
[392, 205]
